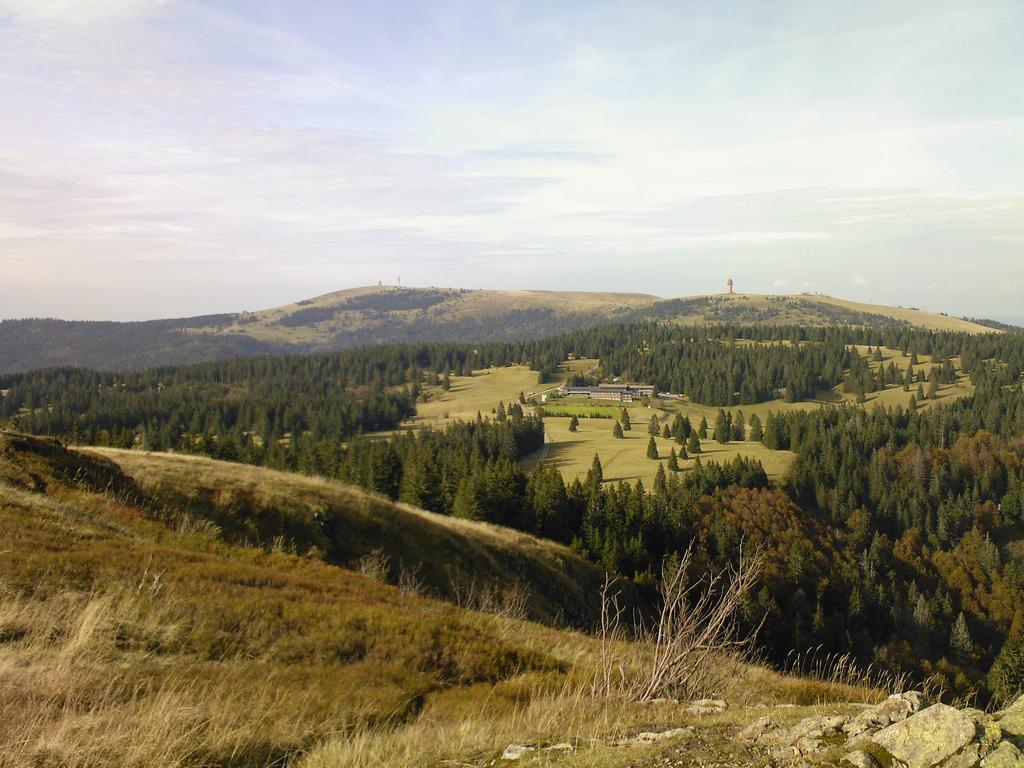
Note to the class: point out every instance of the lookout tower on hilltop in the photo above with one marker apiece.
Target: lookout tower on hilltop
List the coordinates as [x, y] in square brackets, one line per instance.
[728, 286]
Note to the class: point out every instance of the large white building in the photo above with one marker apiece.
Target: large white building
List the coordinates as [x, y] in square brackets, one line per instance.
[619, 392]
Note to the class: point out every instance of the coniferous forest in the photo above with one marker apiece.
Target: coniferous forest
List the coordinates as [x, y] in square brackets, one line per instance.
[897, 535]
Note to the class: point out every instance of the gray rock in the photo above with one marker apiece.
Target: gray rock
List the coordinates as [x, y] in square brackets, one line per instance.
[967, 757]
[707, 707]
[807, 736]
[565, 746]
[652, 736]
[897, 707]
[929, 737]
[1006, 755]
[859, 759]
[516, 751]
[1011, 719]
[757, 729]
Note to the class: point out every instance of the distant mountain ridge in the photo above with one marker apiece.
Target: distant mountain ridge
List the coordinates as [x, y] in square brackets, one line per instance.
[382, 314]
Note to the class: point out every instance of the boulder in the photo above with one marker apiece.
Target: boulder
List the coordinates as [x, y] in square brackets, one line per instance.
[929, 737]
[1011, 719]
[1006, 755]
[897, 707]
[967, 757]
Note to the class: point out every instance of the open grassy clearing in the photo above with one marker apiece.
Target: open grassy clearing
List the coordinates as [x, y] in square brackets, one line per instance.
[470, 395]
[626, 459]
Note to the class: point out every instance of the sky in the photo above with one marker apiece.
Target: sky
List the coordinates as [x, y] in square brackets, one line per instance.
[163, 158]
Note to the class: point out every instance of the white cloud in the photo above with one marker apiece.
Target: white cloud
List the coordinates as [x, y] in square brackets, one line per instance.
[76, 12]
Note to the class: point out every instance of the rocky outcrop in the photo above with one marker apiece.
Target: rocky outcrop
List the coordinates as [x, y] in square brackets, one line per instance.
[929, 737]
[902, 732]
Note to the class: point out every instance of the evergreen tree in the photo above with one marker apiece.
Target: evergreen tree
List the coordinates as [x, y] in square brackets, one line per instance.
[756, 430]
[574, 423]
[673, 460]
[660, 481]
[960, 642]
[617, 431]
[920, 392]
[446, 383]
[723, 427]
[652, 448]
[693, 445]
[933, 384]
[654, 427]
[1006, 678]
[666, 433]
[739, 427]
[624, 420]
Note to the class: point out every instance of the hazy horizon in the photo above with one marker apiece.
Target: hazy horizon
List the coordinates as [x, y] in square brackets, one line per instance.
[169, 158]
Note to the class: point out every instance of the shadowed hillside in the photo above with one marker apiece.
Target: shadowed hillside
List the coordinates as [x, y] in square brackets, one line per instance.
[475, 564]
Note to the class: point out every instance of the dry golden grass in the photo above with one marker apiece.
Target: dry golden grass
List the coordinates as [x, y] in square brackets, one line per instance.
[448, 555]
[125, 642]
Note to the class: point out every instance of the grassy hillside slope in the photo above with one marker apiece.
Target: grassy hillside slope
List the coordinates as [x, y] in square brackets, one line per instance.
[129, 638]
[358, 316]
[475, 564]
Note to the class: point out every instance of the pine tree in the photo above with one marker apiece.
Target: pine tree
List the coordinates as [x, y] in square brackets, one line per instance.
[960, 642]
[673, 460]
[739, 427]
[756, 430]
[693, 446]
[522, 398]
[1006, 678]
[574, 423]
[596, 474]
[723, 427]
[627, 425]
[446, 383]
[617, 431]
[654, 427]
[660, 481]
[908, 379]
[666, 433]
[652, 448]
[933, 384]
[920, 392]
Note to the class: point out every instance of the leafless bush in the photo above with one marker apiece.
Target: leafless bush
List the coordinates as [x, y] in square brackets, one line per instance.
[687, 650]
[409, 581]
[509, 602]
[375, 565]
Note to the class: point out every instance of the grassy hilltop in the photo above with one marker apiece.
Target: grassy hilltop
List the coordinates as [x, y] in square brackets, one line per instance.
[357, 316]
